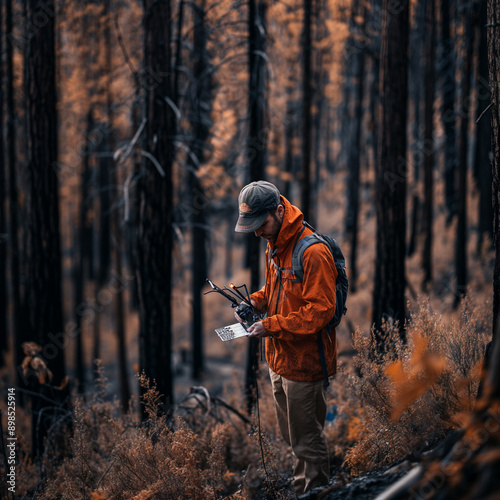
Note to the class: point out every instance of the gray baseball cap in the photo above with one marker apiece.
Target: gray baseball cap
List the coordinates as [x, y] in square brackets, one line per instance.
[255, 201]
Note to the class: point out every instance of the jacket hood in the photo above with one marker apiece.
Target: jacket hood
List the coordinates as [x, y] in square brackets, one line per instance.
[292, 223]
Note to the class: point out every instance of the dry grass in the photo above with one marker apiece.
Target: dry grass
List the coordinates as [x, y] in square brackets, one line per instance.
[205, 450]
[393, 404]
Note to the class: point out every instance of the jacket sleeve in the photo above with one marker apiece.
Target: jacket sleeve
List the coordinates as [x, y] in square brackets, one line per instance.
[260, 298]
[318, 298]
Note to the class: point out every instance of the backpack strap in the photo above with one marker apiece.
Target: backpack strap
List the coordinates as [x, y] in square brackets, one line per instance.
[298, 270]
[298, 254]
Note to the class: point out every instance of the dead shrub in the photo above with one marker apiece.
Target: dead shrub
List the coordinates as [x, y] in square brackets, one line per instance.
[209, 449]
[410, 396]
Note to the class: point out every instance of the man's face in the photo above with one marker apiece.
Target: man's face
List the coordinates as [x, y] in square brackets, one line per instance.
[271, 226]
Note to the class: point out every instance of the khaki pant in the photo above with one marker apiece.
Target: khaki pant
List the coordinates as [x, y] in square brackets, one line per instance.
[301, 412]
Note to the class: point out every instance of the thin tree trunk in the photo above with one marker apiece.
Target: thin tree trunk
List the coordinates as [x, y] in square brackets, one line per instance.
[493, 28]
[307, 96]
[319, 99]
[461, 237]
[104, 216]
[416, 82]
[229, 249]
[374, 105]
[352, 219]
[448, 112]
[318, 116]
[201, 106]
[103, 219]
[374, 126]
[257, 144]
[115, 217]
[482, 167]
[330, 164]
[428, 140]
[178, 50]
[19, 332]
[96, 339]
[391, 178]
[3, 215]
[289, 139]
[82, 262]
[199, 273]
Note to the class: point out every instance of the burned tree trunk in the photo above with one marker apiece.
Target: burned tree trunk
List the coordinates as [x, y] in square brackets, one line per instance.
[201, 106]
[391, 175]
[154, 241]
[461, 235]
[415, 91]
[3, 216]
[493, 28]
[257, 147]
[357, 63]
[290, 135]
[82, 262]
[43, 278]
[19, 332]
[115, 215]
[448, 111]
[430, 42]
[482, 167]
[307, 95]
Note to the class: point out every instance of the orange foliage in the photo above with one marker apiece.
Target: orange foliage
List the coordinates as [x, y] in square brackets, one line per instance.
[422, 371]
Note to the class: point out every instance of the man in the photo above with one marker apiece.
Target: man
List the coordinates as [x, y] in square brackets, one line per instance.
[295, 326]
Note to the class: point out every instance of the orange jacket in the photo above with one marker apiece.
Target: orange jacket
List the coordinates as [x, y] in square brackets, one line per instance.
[296, 312]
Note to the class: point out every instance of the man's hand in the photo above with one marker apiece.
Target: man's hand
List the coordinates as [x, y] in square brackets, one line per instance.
[257, 331]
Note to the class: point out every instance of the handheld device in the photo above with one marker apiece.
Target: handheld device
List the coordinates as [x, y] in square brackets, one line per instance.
[243, 306]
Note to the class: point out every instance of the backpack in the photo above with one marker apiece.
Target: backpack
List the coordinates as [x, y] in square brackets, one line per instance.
[342, 283]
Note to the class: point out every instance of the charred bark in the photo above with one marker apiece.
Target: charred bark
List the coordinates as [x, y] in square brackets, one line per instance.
[415, 86]
[81, 262]
[357, 62]
[428, 140]
[482, 162]
[448, 111]
[3, 215]
[461, 235]
[307, 97]
[43, 278]
[201, 106]
[391, 175]
[493, 28]
[115, 217]
[18, 318]
[155, 241]
[257, 148]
